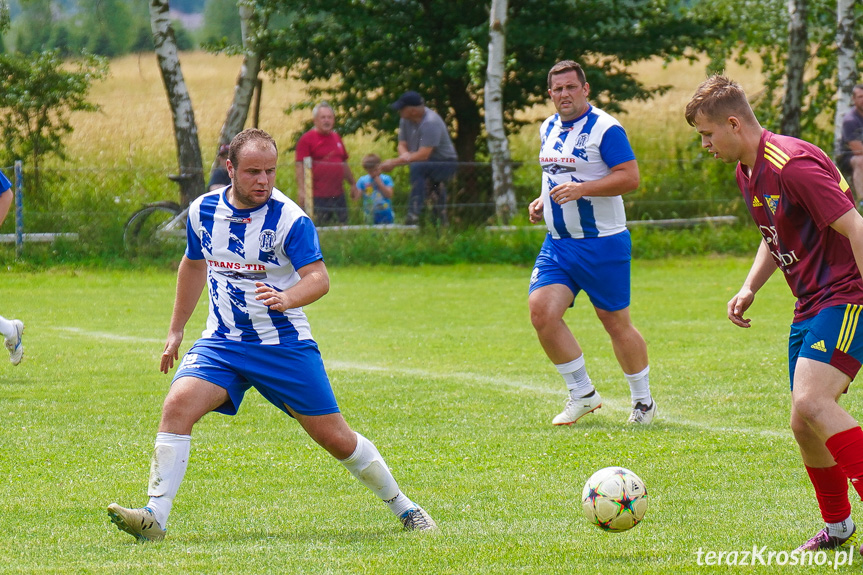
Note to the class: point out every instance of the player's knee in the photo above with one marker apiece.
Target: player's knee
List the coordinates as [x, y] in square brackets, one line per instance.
[617, 325]
[340, 441]
[542, 314]
[800, 428]
[808, 409]
[176, 416]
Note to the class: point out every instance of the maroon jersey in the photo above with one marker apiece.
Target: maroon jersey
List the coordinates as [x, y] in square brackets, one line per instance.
[794, 193]
[328, 158]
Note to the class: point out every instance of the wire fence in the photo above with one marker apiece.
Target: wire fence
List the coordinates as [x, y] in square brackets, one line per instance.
[92, 205]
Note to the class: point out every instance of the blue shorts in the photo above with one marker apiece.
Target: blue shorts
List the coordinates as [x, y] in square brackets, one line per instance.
[828, 337]
[599, 266]
[288, 376]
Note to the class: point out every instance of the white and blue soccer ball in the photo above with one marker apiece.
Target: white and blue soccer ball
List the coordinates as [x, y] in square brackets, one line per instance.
[614, 499]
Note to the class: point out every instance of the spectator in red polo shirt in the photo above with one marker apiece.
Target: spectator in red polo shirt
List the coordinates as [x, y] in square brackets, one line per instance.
[329, 169]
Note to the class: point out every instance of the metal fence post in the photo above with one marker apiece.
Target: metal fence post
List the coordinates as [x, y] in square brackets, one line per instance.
[307, 184]
[19, 209]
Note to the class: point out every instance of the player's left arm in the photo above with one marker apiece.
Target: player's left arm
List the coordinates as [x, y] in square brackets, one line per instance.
[5, 203]
[850, 225]
[313, 285]
[622, 179]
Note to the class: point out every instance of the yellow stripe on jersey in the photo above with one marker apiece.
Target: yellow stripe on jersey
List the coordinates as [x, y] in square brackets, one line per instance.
[849, 327]
[775, 156]
[843, 185]
[776, 152]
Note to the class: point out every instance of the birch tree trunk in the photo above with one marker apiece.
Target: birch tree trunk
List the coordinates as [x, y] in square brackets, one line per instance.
[798, 54]
[191, 176]
[498, 145]
[846, 67]
[238, 113]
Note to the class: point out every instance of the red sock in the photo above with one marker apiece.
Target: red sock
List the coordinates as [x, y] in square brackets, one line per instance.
[831, 491]
[846, 447]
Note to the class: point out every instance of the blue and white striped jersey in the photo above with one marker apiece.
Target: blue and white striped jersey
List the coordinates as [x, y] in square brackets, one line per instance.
[582, 150]
[5, 184]
[266, 244]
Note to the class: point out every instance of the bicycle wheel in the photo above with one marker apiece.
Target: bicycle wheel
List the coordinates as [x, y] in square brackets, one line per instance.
[141, 234]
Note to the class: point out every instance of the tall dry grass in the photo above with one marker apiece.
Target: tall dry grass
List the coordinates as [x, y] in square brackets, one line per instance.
[134, 125]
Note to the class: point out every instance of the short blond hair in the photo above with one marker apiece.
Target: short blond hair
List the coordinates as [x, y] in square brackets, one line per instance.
[716, 99]
[250, 136]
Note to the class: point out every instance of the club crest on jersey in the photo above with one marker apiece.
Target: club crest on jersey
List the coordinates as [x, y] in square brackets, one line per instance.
[267, 240]
[581, 141]
[772, 202]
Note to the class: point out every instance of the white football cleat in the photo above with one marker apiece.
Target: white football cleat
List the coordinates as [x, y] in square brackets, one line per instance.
[139, 523]
[14, 345]
[642, 413]
[417, 519]
[577, 408]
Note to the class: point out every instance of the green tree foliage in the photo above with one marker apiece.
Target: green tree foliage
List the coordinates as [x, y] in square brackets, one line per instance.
[4, 15]
[33, 26]
[4, 22]
[361, 55]
[107, 24]
[39, 93]
[221, 23]
[764, 33]
[103, 27]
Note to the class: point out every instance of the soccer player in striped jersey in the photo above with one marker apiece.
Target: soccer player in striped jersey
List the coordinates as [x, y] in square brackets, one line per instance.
[258, 255]
[811, 231]
[587, 165]
[12, 330]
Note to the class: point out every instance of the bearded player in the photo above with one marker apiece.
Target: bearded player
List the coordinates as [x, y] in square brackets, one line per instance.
[258, 255]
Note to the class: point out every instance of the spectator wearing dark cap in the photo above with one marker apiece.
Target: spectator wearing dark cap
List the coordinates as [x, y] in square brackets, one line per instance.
[426, 147]
[219, 175]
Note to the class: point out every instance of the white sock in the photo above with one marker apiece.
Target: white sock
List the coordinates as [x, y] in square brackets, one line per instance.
[367, 465]
[639, 386]
[842, 530]
[6, 327]
[575, 375]
[167, 468]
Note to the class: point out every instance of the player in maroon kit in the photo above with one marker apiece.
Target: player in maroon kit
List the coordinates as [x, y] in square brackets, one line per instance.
[811, 231]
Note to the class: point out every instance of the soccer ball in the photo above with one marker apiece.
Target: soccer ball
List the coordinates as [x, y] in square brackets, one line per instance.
[614, 499]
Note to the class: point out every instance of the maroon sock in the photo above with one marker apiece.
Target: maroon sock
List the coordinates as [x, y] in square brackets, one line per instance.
[831, 491]
[847, 450]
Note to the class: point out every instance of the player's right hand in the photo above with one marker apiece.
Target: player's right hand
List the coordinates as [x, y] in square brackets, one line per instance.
[171, 352]
[534, 211]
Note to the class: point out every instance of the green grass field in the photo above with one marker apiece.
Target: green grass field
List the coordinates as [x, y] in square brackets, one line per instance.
[440, 367]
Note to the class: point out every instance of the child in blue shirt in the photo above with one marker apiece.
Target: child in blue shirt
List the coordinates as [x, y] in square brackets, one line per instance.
[377, 191]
